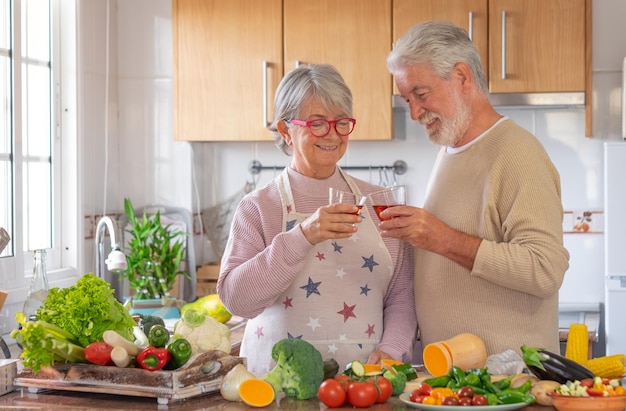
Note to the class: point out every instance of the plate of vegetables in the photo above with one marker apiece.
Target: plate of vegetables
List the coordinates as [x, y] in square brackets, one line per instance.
[473, 387]
[405, 398]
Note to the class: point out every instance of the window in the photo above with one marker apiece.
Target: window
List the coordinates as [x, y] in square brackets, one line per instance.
[29, 134]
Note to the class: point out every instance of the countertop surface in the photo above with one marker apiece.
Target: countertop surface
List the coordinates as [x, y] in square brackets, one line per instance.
[23, 398]
[59, 400]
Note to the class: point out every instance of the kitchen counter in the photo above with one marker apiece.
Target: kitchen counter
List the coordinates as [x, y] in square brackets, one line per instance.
[58, 400]
[43, 399]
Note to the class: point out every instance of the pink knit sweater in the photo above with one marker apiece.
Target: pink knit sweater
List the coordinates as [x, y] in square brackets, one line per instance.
[261, 260]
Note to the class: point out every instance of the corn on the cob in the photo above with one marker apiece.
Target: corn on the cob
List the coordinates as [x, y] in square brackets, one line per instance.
[577, 347]
[611, 366]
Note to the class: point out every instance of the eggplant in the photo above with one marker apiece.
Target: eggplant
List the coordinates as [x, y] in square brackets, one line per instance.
[547, 365]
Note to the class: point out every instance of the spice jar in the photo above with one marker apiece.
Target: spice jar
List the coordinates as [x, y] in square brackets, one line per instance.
[464, 351]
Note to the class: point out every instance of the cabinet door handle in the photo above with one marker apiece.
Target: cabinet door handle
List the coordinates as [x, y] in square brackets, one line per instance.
[503, 44]
[265, 122]
[471, 25]
[624, 99]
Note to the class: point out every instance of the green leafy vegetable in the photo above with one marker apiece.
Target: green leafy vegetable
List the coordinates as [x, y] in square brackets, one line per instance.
[86, 310]
[44, 344]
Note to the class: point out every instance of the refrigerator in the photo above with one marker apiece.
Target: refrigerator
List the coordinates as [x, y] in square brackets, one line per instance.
[615, 246]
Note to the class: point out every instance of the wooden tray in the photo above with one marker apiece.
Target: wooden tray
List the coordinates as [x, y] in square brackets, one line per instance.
[202, 374]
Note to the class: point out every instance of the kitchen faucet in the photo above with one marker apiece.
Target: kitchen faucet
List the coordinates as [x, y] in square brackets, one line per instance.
[116, 260]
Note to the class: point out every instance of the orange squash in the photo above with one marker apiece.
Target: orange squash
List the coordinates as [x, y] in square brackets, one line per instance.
[256, 392]
[464, 351]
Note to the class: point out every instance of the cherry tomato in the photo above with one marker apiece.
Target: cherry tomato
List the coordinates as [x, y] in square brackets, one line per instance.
[465, 391]
[384, 387]
[587, 382]
[424, 388]
[450, 400]
[415, 396]
[479, 399]
[362, 394]
[331, 393]
[99, 353]
[465, 401]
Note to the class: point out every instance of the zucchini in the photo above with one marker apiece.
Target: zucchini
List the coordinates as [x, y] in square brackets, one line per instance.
[547, 365]
[331, 368]
[355, 368]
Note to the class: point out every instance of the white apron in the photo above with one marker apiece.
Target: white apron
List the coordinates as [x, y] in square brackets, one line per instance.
[335, 303]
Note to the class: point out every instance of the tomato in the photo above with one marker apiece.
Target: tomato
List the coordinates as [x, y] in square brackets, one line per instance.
[362, 394]
[479, 399]
[384, 387]
[345, 381]
[331, 393]
[595, 392]
[465, 391]
[465, 401]
[450, 401]
[587, 382]
[99, 353]
[415, 396]
[424, 388]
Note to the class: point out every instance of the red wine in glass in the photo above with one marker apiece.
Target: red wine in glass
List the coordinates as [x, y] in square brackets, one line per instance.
[380, 208]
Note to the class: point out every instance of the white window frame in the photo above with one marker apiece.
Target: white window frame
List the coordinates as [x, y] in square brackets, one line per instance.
[63, 258]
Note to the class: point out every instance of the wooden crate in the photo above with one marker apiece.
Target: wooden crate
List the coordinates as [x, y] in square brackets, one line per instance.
[206, 277]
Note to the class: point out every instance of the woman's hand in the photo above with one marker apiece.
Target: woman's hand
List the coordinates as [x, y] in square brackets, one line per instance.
[378, 355]
[331, 222]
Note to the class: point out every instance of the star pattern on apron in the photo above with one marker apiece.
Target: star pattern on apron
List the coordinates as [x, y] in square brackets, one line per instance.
[335, 302]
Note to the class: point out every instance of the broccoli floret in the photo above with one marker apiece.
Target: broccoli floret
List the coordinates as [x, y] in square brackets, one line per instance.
[397, 380]
[148, 320]
[299, 369]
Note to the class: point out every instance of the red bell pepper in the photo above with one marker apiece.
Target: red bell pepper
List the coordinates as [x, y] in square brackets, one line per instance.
[152, 358]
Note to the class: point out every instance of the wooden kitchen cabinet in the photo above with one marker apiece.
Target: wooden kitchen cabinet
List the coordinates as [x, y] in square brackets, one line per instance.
[355, 37]
[469, 14]
[223, 89]
[543, 41]
[227, 63]
[543, 44]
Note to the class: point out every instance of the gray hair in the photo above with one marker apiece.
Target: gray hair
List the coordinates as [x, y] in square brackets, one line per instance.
[321, 81]
[440, 44]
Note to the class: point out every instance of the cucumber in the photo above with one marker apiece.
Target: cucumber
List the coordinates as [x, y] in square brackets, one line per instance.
[355, 368]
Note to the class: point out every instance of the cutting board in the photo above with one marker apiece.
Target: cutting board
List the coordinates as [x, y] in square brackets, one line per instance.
[202, 374]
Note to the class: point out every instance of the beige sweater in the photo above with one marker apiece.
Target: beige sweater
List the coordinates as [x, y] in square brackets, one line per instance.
[505, 190]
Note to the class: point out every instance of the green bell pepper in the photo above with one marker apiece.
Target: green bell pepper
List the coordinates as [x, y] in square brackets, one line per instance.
[158, 336]
[180, 349]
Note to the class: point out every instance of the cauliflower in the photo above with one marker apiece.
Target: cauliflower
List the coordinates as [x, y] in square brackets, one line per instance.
[203, 332]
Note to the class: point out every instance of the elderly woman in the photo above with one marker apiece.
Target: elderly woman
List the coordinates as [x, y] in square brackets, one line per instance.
[297, 267]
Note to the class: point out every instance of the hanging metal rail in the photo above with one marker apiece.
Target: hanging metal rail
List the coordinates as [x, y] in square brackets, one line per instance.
[399, 167]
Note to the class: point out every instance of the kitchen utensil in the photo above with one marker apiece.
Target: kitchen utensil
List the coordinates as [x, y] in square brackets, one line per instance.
[4, 239]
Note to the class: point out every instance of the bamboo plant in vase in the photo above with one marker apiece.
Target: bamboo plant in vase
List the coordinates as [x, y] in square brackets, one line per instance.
[154, 255]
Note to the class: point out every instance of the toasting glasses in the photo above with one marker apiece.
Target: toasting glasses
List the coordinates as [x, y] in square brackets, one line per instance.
[389, 197]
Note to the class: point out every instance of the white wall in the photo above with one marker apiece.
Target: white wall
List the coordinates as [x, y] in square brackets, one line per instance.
[146, 164]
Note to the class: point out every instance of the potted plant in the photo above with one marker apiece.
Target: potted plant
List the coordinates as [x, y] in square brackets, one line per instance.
[154, 255]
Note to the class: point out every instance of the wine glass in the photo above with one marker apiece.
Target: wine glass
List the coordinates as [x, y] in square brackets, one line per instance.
[339, 196]
[389, 197]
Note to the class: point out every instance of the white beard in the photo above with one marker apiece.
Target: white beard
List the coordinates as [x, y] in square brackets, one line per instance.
[450, 132]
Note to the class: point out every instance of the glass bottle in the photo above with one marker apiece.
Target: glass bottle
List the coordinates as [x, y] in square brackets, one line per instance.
[38, 290]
